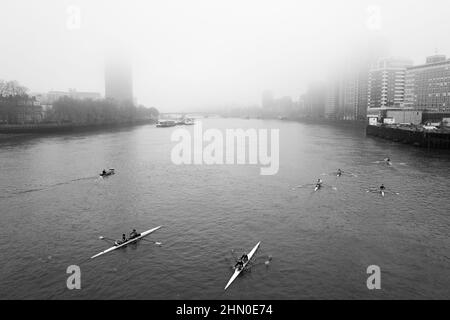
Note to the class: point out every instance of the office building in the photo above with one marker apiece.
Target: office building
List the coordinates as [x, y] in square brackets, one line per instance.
[386, 83]
[427, 86]
[119, 80]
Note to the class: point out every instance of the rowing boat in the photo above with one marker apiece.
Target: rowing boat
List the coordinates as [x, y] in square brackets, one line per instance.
[110, 172]
[236, 271]
[142, 235]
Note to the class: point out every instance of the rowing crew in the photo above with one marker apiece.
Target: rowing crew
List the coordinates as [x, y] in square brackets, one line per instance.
[106, 173]
[382, 190]
[339, 173]
[124, 239]
[241, 262]
[318, 184]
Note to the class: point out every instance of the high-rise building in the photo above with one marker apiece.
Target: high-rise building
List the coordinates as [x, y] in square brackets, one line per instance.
[436, 58]
[119, 79]
[331, 100]
[315, 100]
[347, 93]
[427, 86]
[268, 101]
[386, 83]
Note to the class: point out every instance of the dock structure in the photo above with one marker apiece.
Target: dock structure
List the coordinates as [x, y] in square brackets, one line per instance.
[415, 135]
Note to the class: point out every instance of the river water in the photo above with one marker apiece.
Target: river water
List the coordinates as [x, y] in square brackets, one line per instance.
[314, 245]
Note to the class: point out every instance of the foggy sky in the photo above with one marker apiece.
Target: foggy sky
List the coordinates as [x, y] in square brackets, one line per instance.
[189, 54]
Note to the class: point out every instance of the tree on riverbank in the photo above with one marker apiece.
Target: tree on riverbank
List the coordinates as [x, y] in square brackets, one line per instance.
[16, 106]
[10, 89]
[102, 111]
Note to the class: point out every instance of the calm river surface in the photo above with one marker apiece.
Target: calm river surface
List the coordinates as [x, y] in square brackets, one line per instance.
[54, 207]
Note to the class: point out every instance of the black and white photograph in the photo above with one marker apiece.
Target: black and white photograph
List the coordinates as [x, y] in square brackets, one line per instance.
[239, 150]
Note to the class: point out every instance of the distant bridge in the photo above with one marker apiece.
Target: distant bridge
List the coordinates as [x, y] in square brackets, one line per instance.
[180, 115]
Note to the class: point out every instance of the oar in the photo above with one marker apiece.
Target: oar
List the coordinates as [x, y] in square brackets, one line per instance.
[350, 173]
[332, 187]
[234, 255]
[149, 241]
[105, 238]
[396, 193]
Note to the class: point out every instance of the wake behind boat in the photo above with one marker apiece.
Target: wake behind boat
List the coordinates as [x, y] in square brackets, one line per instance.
[238, 270]
[121, 245]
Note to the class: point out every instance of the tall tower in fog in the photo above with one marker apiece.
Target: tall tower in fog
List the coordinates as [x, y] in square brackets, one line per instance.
[118, 78]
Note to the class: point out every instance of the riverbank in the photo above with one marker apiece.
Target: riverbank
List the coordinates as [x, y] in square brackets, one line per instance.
[8, 136]
[335, 123]
[306, 120]
[45, 128]
[413, 136]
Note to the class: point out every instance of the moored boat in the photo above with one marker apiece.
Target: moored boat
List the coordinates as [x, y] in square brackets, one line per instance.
[188, 122]
[166, 123]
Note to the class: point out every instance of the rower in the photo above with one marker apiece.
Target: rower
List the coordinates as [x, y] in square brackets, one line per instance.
[319, 183]
[134, 234]
[382, 187]
[239, 265]
[339, 172]
[241, 262]
[124, 239]
[104, 172]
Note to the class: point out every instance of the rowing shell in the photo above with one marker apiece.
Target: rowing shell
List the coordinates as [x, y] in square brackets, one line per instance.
[382, 192]
[237, 272]
[108, 173]
[143, 234]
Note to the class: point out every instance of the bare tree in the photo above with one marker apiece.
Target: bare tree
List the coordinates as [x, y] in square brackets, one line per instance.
[2, 88]
[12, 88]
